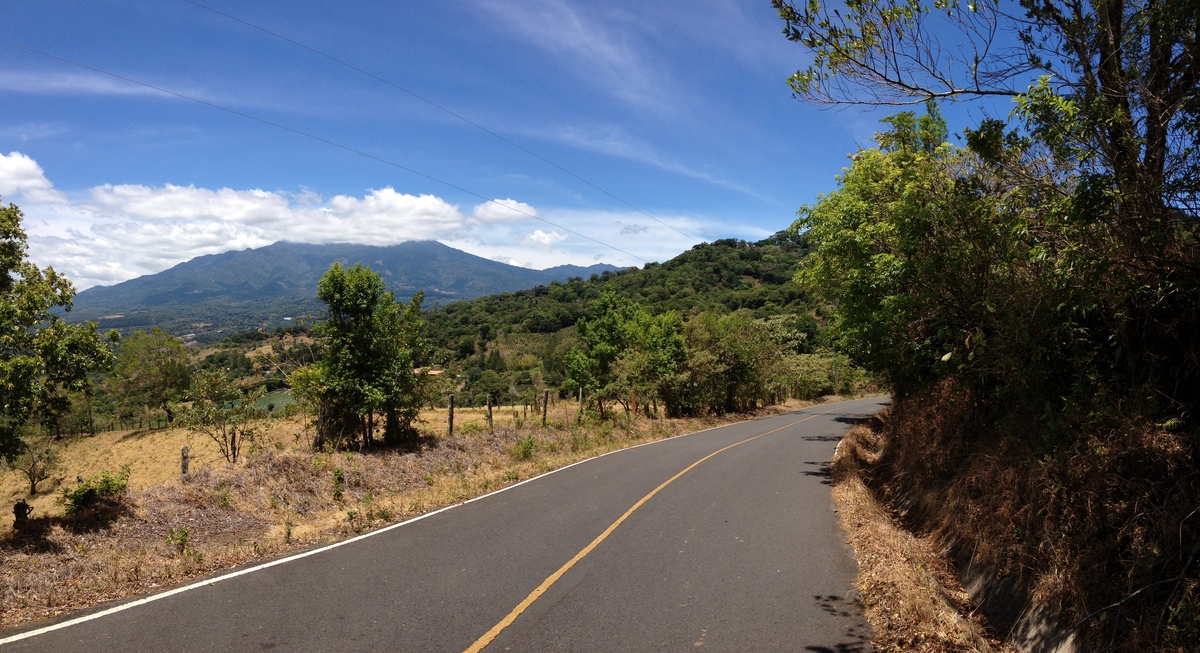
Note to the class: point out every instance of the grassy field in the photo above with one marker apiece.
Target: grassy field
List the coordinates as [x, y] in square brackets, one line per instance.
[280, 497]
[154, 455]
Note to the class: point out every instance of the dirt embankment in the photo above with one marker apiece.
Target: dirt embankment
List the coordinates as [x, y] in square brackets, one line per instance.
[1088, 542]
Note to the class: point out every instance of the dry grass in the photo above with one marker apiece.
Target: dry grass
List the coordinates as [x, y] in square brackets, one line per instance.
[911, 596]
[280, 498]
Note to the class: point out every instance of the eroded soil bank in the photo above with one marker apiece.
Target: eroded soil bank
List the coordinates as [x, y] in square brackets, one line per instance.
[1085, 544]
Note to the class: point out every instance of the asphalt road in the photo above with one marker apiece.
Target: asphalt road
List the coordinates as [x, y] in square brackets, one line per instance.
[742, 552]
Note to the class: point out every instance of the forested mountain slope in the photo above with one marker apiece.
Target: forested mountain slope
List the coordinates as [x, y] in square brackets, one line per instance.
[246, 289]
[721, 276]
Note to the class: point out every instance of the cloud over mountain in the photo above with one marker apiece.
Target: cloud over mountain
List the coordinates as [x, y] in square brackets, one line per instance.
[115, 232]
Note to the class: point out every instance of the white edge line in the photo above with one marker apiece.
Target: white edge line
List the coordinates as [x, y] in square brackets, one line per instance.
[241, 572]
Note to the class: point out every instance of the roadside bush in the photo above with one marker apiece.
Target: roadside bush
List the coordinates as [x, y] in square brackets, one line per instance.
[523, 448]
[87, 493]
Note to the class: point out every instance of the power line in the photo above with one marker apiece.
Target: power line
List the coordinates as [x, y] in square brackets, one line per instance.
[314, 137]
[439, 107]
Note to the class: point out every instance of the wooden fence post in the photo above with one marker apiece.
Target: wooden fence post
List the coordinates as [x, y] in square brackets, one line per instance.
[450, 424]
[545, 401]
[183, 461]
[489, 407]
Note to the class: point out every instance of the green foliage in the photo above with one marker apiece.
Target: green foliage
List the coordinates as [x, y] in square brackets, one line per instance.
[373, 345]
[178, 536]
[1015, 280]
[624, 348]
[723, 275]
[232, 361]
[524, 447]
[152, 370]
[220, 411]
[37, 461]
[42, 358]
[93, 489]
[339, 483]
[732, 365]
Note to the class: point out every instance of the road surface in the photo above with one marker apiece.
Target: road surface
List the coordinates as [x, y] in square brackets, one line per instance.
[722, 540]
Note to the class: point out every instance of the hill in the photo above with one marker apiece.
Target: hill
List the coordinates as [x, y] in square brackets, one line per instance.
[222, 293]
[722, 276]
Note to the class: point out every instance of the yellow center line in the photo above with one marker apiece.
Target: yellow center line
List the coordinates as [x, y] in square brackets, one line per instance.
[507, 621]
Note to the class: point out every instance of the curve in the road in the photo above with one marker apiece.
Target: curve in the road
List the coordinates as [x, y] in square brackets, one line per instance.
[490, 635]
[739, 551]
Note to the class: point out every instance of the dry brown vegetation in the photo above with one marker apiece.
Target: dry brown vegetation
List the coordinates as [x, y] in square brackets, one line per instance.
[1091, 546]
[281, 498]
[911, 595]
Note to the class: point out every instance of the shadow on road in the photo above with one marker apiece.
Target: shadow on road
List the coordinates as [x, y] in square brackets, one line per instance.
[823, 471]
[855, 420]
[857, 639]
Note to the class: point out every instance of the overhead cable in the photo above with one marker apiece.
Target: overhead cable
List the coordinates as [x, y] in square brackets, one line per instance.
[314, 137]
[439, 107]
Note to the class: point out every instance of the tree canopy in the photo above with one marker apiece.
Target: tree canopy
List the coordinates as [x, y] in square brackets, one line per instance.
[373, 344]
[153, 370]
[1113, 82]
[41, 356]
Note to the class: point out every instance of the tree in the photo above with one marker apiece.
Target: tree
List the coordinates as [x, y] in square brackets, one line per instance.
[41, 356]
[152, 370]
[37, 461]
[1108, 102]
[624, 348]
[373, 345]
[223, 413]
[1112, 84]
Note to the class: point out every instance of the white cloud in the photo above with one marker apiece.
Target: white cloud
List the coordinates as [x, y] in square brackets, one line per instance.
[115, 232]
[605, 49]
[25, 132]
[613, 141]
[52, 83]
[23, 177]
[506, 209]
[543, 239]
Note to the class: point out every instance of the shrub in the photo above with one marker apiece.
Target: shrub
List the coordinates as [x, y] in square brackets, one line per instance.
[87, 492]
[523, 448]
[178, 538]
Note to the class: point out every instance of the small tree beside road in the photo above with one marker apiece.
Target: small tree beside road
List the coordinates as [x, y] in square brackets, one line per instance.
[223, 413]
[373, 345]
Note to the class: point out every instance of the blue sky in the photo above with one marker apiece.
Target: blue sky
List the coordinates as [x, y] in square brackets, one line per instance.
[673, 122]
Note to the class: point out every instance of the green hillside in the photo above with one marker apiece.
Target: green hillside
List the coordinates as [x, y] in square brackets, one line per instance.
[723, 276]
[212, 296]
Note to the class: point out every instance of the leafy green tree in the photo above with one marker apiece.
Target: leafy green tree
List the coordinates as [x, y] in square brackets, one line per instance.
[222, 412]
[37, 461]
[655, 355]
[1108, 108]
[41, 356]
[624, 348]
[733, 362]
[152, 370]
[1118, 79]
[373, 345]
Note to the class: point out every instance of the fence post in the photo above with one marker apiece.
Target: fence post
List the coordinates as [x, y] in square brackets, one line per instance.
[581, 404]
[545, 401]
[489, 406]
[450, 423]
[183, 461]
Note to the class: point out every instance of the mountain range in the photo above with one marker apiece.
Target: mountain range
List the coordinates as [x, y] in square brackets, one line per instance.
[211, 296]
